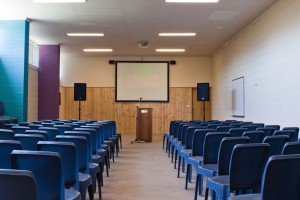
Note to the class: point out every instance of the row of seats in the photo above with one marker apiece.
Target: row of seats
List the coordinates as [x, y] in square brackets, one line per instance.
[209, 149]
[72, 153]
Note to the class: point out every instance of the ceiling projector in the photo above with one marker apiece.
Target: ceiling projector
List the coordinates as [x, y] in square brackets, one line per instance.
[143, 44]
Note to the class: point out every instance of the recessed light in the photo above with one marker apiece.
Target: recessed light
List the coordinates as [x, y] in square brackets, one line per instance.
[170, 50]
[177, 34]
[192, 1]
[97, 50]
[59, 1]
[85, 34]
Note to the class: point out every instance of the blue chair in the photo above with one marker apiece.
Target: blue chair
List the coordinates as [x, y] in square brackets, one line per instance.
[224, 156]
[17, 184]
[250, 127]
[44, 124]
[29, 142]
[52, 132]
[36, 122]
[213, 126]
[72, 177]
[34, 126]
[171, 132]
[62, 128]
[19, 129]
[50, 185]
[6, 134]
[275, 127]
[237, 132]
[276, 143]
[255, 136]
[173, 137]
[296, 132]
[245, 171]
[24, 123]
[268, 131]
[9, 126]
[261, 125]
[177, 138]
[246, 123]
[282, 186]
[289, 133]
[223, 128]
[114, 135]
[210, 155]
[291, 148]
[6, 147]
[38, 132]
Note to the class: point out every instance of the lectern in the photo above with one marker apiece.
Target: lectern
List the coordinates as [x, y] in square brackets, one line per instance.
[144, 124]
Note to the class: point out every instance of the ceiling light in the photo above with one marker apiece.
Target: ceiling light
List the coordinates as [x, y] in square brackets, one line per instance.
[59, 1]
[192, 1]
[170, 50]
[85, 34]
[97, 50]
[177, 34]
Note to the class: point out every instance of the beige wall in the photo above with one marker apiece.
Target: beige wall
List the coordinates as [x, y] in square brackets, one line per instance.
[267, 55]
[96, 72]
[33, 94]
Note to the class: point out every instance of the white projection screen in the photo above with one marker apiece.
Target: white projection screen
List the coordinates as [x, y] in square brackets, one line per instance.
[145, 80]
[238, 107]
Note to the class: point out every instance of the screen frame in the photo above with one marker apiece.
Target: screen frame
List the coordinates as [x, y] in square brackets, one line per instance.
[168, 81]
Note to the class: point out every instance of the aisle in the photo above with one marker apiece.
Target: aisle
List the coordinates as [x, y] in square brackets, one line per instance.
[143, 172]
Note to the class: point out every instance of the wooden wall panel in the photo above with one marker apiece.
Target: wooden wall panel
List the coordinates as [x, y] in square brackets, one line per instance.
[101, 105]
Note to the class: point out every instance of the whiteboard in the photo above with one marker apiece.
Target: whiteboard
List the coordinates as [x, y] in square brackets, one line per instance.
[238, 101]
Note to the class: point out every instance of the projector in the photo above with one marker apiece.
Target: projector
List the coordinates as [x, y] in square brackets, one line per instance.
[143, 44]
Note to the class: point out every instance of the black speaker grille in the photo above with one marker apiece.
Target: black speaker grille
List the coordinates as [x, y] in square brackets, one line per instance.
[79, 91]
[203, 91]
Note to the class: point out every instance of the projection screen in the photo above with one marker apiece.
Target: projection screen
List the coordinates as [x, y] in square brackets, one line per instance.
[145, 80]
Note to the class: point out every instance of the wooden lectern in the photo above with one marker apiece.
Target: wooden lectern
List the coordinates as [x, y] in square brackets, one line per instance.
[144, 124]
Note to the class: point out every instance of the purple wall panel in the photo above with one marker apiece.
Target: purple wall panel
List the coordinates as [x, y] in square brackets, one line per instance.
[49, 82]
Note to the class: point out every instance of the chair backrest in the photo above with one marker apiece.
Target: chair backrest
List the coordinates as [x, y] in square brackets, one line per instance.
[236, 125]
[47, 170]
[93, 134]
[52, 132]
[281, 178]
[223, 128]
[17, 184]
[291, 148]
[247, 164]
[213, 126]
[246, 123]
[28, 141]
[276, 127]
[250, 127]
[98, 133]
[24, 123]
[255, 136]
[198, 141]
[9, 126]
[261, 125]
[34, 126]
[189, 136]
[19, 129]
[82, 151]
[296, 132]
[268, 131]
[211, 146]
[6, 147]
[276, 143]
[44, 124]
[38, 132]
[67, 152]
[237, 132]
[225, 151]
[289, 133]
[172, 126]
[62, 128]
[6, 134]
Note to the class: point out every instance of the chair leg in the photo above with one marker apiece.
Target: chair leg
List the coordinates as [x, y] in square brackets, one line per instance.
[164, 138]
[187, 176]
[100, 181]
[167, 145]
[121, 141]
[206, 193]
[176, 154]
[179, 162]
[117, 149]
[172, 153]
[91, 192]
[196, 187]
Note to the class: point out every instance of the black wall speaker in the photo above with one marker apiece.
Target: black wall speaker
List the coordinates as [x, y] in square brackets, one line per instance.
[79, 91]
[111, 62]
[173, 62]
[203, 91]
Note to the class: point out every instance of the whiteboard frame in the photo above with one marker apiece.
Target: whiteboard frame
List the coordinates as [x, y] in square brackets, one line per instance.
[241, 101]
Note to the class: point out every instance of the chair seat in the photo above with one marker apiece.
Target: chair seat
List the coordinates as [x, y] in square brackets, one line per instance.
[207, 170]
[85, 181]
[220, 185]
[185, 153]
[72, 195]
[194, 160]
[96, 159]
[246, 197]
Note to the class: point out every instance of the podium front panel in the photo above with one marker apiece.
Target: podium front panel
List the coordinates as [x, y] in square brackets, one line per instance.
[144, 124]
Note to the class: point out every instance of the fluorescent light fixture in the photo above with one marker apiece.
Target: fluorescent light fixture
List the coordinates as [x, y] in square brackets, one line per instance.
[177, 34]
[59, 1]
[170, 50]
[192, 1]
[85, 34]
[97, 50]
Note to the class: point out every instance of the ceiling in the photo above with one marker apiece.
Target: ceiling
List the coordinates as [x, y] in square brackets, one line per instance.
[126, 22]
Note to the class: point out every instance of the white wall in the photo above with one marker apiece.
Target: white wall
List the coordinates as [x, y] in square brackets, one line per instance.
[267, 54]
[96, 72]
[33, 94]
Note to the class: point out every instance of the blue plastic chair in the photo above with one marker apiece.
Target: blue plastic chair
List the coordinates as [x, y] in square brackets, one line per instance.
[289, 133]
[28, 141]
[250, 127]
[62, 128]
[6, 134]
[173, 137]
[255, 136]
[171, 132]
[282, 186]
[6, 147]
[17, 184]
[38, 132]
[276, 143]
[223, 128]
[296, 132]
[72, 177]
[34, 126]
[275, 127]
[19, 129]
[291, 148]
[50, 185]
[47, 124]
[261, 125]
[245, 171]
[52, 132]
[268, 131]
[237, 132]
[210, 156]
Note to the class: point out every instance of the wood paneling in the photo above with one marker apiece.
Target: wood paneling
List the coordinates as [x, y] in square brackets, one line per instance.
[101, 105]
